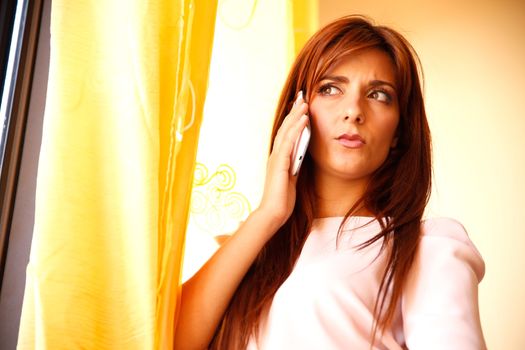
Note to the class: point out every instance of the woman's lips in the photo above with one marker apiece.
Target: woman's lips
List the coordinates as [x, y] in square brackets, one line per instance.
[351, 141]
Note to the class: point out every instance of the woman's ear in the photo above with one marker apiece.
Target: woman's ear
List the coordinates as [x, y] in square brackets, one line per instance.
[395, 139]
[393, 144]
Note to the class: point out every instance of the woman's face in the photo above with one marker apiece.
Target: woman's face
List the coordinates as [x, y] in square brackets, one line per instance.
[354, 114]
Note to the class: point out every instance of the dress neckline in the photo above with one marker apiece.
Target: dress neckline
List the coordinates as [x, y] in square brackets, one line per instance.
[331, 223]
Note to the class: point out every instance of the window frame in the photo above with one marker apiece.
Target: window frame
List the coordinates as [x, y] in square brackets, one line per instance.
[18, 44]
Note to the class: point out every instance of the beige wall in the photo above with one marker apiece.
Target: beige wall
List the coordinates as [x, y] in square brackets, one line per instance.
[473, 55]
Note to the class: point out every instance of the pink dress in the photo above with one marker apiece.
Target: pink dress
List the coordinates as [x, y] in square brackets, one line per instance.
[328, 300]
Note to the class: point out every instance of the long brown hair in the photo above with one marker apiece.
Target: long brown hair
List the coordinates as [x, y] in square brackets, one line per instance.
[398, 190]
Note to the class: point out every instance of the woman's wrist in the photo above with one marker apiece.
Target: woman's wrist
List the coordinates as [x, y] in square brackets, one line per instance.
[266, 220]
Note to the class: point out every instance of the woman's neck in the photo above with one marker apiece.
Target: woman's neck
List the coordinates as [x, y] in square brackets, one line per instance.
[336, 196]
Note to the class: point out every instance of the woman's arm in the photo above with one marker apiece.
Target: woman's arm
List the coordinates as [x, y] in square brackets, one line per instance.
[440, 301]
[207, 294]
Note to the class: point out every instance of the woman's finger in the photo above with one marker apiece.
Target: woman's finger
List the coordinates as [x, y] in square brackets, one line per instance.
[289, 138]
[291, 135]
[299, 109]
[294, 112]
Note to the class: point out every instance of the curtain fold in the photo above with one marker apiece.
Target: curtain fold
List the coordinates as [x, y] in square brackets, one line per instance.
[305, 21]
[127, 83]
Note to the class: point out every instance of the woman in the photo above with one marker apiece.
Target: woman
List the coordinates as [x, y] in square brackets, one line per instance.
[339, 256]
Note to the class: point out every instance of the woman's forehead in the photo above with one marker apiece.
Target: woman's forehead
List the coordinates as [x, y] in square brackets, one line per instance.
[371, 62]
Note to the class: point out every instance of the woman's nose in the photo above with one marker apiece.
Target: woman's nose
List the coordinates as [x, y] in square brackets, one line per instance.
[353, 111]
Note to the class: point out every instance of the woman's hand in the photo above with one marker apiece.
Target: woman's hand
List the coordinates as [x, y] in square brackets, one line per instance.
[280, 185]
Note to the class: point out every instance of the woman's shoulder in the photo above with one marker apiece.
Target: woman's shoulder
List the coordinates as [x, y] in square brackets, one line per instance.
[439, 303]
[441, 237]
[445, 227]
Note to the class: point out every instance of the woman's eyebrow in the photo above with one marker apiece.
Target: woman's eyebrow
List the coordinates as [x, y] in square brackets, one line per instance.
[336, 78]
[374, 83]
[344, 80]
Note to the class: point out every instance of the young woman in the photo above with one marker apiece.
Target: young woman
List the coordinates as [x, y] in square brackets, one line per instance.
[339, 257]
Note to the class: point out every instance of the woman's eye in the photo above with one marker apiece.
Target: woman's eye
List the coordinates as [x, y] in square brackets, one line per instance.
[380, 96]
[328, 90]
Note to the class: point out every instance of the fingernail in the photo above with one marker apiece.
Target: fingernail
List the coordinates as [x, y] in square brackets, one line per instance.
[299, 97]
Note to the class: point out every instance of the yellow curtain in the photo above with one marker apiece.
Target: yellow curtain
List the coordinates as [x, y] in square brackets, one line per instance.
[127, 83]
[255, 44]
[305, 21]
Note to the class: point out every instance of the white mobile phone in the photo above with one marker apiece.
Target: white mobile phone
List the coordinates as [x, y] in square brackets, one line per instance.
[299, 151]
